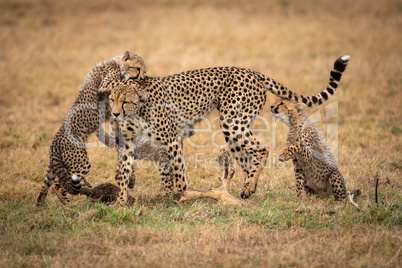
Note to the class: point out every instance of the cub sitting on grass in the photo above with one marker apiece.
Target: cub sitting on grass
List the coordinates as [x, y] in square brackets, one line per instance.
[69, 163]
[315, 167]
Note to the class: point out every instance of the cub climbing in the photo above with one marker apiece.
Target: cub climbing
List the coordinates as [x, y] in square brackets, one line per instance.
[69, 163]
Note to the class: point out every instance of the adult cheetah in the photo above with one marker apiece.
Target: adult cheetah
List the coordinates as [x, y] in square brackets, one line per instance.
[175, 103]
[69, 163]
[315, 167]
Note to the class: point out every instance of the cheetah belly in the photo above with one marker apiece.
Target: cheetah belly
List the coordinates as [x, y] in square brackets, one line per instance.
[316, 176]
[146, 148]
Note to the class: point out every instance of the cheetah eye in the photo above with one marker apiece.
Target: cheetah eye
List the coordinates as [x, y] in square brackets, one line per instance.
[112, 100]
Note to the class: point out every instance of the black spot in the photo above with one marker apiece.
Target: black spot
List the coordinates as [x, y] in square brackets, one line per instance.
[330, 90]
[314, 98]
[333, 84]
[324, 95]
[339, 65]
[337, 76]
[124, 157]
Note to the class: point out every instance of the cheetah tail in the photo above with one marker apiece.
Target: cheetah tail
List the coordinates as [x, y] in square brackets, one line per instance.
[311, 101]
[71, 185]
[334, 79]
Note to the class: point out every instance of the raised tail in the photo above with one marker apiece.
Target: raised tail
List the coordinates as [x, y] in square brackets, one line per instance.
[311, 101]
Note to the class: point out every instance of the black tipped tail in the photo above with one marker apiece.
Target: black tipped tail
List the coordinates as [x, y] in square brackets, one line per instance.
[314, 100]
[334, 79]
[73, 185]
[76, 184]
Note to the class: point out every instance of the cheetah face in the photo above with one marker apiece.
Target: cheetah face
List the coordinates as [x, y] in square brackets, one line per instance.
[284, 110]
[124, 101]
[132, 66]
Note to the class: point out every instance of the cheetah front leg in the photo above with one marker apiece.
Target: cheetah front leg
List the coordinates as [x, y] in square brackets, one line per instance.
[165, 172]
[177, 165]
[300, 179]
[289, 153]
[124, 172]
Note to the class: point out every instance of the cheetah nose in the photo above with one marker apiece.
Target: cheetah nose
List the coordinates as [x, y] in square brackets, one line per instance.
[116, 114]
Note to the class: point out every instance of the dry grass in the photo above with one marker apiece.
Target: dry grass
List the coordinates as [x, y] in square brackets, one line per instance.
[48, 46]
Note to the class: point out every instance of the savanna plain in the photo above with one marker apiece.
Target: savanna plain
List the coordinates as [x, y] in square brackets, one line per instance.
[47, 47]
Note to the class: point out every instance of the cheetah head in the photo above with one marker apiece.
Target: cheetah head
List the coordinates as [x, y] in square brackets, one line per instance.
[126, 100]
[285, 110]
[132, 66]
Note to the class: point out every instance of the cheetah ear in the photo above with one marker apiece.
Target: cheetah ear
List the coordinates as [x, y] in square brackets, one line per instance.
[127, 55]
[301, 107]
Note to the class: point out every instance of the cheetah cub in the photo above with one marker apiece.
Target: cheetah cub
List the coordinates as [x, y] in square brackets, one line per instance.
[69, 163]
[315, 167]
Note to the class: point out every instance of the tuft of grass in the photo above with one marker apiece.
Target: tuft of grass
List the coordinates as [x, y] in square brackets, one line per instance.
[396, 129]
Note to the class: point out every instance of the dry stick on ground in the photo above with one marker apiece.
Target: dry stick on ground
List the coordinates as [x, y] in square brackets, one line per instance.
[221, 193]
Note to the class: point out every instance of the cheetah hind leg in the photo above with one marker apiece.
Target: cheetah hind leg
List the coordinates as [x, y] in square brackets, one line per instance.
[131, 181]
[49, 180]
[338, 188]
[61, 193]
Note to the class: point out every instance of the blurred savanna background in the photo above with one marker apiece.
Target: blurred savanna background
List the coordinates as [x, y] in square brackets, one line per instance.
[47, 47]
